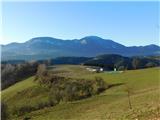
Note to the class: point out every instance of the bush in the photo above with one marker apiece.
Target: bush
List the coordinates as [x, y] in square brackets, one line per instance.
[21, 110]
[98, 85]
[70, 90]
[76, 90]
[26, 108]
[54, 96]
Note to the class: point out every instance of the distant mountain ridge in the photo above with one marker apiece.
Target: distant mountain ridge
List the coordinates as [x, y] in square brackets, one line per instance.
[90, 46]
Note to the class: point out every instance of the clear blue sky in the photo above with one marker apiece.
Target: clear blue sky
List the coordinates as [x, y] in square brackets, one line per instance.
[129, 23]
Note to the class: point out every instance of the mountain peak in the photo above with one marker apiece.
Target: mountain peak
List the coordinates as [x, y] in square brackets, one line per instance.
[41, 40]
[92, 38]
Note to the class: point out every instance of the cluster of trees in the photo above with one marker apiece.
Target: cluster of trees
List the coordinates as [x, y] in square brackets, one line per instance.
[12, 73]
[68, 89]
[144, 63]
[61, 89]
[109, 62]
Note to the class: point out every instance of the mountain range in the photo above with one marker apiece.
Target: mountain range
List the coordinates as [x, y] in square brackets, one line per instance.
[90, 46]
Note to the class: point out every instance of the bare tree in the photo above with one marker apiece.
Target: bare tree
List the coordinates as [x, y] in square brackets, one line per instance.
[41, 71]
[135, 63]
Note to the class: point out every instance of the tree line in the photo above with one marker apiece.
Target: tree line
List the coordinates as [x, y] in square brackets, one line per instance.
[109, 62]
[12, 73]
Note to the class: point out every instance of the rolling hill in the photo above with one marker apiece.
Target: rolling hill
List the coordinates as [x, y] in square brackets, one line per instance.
[111, 104]
[110, 61]
[90, 46]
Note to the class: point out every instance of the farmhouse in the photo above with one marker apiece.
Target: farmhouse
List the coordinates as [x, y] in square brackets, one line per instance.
[94, 69]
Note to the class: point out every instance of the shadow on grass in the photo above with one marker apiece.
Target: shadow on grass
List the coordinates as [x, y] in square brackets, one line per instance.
[115, 85]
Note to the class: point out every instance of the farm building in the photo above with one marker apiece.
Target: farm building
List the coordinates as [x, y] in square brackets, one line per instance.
[94, 69]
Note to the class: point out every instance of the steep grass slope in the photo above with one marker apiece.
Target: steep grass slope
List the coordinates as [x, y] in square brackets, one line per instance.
[111, 104]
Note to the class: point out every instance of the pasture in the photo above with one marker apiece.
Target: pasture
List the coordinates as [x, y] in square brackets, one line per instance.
[111, 104]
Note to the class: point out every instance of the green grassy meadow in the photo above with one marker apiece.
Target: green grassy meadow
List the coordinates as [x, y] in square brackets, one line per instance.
[112, 104]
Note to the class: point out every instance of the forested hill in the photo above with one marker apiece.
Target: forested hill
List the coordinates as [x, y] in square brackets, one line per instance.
[111, 61]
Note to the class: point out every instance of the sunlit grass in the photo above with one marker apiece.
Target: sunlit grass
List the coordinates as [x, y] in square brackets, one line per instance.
[111, 104]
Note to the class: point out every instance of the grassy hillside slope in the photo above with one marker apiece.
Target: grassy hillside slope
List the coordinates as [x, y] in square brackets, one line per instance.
[111, 104]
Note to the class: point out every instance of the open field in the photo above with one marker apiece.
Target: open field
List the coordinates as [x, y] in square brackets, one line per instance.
[112, 104]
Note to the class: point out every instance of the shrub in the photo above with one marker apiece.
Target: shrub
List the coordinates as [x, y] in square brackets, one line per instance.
[26, 108]
[54, 96]
[20, 110]
[76, 90]
[70, 90]
[98, 85]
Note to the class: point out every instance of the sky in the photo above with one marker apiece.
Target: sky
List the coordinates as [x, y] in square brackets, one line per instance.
[128, 23]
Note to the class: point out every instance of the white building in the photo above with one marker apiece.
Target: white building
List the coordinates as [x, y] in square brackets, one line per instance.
[94, 69]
